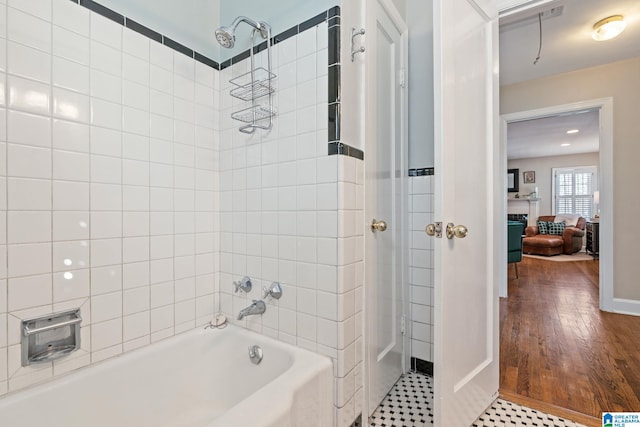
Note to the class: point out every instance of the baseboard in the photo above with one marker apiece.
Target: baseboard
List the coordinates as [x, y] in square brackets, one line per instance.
[626, 306]
[422, 366]
[548, 408]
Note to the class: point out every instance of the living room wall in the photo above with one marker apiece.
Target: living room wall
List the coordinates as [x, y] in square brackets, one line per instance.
[543, 166]
[620, 81]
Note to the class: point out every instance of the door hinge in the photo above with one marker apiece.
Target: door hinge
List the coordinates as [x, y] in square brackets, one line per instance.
[403, 327]
[403, 78]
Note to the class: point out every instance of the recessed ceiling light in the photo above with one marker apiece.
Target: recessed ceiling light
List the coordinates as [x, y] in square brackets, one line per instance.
[573, 131]
[566, 144]
[608, 28]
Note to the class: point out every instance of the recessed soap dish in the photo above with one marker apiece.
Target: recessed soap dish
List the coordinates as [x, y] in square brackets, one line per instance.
[50, 337]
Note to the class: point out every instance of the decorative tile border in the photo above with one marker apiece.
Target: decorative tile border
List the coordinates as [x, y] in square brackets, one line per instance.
[333, 74]
[279, 38]
[332, 16]
[146, 31]
[335, 115]
[421, 172]
[422, 366]
[338, 147]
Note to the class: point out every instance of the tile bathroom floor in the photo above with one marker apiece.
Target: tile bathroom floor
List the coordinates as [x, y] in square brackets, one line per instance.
[410, 404]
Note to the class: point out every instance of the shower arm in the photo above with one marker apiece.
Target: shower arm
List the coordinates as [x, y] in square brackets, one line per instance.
[260, 26]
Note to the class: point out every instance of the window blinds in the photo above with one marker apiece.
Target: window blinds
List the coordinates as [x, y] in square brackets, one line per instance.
[574, 191]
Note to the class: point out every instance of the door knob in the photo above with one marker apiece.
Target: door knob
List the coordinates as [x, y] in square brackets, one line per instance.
[378, 225]
[459, 231]
[434, 230]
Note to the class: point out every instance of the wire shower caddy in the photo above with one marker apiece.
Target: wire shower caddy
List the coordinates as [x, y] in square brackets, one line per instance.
[252, 86]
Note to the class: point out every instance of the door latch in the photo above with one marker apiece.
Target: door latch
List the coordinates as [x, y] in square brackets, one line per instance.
[434, 230]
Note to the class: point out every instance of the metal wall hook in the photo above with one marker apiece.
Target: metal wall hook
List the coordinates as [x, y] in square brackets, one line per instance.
[354, 50]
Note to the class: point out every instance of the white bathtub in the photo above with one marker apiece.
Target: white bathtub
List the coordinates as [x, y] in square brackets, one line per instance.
[200, 378]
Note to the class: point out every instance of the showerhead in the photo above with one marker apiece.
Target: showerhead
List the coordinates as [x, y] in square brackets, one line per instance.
[225, 37]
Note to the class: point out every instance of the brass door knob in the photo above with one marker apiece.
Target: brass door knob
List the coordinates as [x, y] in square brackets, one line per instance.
[378, 225]
[434, 229]
[459, 231]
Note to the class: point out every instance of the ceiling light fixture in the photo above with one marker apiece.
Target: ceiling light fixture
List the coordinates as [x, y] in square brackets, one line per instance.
[608, 28]
[565, 144]
[573, 131]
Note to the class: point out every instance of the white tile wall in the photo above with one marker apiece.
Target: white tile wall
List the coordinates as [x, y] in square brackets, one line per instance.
[109, 194]
[420, 267]
[129, 192]
[291, 213]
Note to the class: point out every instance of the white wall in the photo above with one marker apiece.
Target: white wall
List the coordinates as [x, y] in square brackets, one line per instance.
[191, 23]
[401, 5]
[620, 81]
[543, 166]
[420, 21]
[109, 142]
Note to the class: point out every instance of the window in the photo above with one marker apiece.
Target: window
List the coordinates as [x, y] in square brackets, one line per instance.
[573, 190]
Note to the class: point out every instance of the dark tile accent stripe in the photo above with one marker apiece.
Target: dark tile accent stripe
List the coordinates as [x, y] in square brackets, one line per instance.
[145, 31]
[279, 38]
[334, 122]
[241, 56]
[177, 46]
[312, 22]
[335, 87]
[102, 10]
[421, 172]
[334, 45]
[293, 31]
[422, 366]
[259, 48]
[339, 148]
[205, 60]
[334, 83]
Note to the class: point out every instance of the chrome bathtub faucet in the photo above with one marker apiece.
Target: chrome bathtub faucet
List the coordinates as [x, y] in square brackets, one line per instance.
[257, 307]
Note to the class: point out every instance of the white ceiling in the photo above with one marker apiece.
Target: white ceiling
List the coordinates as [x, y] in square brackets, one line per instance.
[543, 137]
[566, 40]
[566, 46]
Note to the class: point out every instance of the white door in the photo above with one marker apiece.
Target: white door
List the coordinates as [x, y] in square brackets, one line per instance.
[466, 351]
[385, 168]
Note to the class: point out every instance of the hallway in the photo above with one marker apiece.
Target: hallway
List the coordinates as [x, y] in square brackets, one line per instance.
[558, 348]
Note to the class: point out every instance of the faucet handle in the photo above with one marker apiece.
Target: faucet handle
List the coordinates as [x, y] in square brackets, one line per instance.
[274, 291]
[243, 285]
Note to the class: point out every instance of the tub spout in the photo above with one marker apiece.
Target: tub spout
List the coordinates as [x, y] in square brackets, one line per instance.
[257, 307]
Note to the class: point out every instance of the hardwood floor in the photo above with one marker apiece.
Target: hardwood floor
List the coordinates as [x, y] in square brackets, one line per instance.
[558, 348]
